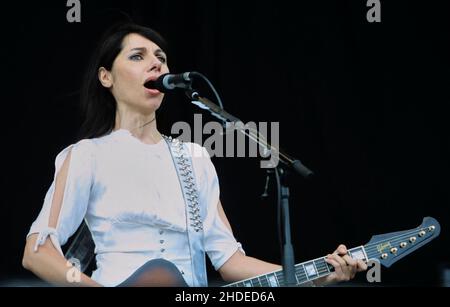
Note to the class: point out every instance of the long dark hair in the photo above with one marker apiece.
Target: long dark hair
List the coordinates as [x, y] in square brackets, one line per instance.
[98, 105]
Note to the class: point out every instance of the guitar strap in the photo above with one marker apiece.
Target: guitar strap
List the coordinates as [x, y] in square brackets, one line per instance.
[185, 171]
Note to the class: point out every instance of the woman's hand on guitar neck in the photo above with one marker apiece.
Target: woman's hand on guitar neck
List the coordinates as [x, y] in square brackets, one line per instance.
[345, 267]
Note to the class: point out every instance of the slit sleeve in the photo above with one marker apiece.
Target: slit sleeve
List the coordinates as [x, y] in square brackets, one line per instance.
[71, 208]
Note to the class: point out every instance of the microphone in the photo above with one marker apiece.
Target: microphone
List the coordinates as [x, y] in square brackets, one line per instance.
[169, 82]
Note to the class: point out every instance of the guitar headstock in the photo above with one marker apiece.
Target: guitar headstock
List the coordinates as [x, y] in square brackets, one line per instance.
[391, 247]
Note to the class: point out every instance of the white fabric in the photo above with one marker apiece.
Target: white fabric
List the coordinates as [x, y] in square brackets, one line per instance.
[42, 237]
[129, 194]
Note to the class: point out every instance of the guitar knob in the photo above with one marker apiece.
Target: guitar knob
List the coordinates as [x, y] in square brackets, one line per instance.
[412, 239]
[394, 250]
[431, 228]
[422, 233]
[403, 244]
[384, 256]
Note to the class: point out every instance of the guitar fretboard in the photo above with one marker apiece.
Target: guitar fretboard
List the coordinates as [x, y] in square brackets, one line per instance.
[304, 272]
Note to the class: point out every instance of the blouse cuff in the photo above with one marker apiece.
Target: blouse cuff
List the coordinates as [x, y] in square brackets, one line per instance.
[226, 255]
[239, 246]
[42, 237]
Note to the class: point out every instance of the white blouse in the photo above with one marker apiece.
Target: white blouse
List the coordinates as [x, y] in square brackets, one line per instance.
[129, 194]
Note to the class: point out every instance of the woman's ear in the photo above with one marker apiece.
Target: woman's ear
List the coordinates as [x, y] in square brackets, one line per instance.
[105, 77]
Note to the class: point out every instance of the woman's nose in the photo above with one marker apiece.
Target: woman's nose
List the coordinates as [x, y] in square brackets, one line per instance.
[155, 65]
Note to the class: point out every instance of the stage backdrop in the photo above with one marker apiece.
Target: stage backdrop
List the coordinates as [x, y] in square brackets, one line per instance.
[364, 105]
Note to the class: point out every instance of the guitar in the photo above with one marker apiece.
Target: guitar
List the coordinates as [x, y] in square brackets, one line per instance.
[386, 249]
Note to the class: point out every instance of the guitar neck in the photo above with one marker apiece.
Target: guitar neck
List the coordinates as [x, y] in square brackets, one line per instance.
[304, 272]
[386, 249]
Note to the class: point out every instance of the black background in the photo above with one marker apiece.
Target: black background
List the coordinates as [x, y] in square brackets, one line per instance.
[365, 105]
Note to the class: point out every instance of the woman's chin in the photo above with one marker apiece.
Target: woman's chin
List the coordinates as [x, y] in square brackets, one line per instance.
[150, 106]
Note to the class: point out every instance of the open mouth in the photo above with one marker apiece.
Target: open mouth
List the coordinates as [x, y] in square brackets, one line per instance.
[149, 86]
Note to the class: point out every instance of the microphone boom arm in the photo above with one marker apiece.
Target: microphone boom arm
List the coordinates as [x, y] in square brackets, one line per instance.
[226, 117]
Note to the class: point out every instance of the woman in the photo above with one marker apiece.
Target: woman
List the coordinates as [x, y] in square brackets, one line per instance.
[122, 180]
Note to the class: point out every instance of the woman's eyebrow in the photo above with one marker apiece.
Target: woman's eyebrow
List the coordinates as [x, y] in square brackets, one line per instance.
[159, 51]
[142, 49]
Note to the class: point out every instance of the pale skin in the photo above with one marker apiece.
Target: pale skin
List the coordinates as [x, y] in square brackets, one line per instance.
[139, 60]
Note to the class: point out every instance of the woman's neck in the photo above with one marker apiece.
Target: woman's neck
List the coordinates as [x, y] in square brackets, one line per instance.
[141, 126]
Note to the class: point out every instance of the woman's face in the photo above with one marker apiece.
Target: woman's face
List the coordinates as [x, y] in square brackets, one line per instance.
[139, 61]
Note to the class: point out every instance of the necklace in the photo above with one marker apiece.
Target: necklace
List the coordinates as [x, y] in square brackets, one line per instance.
[147, 123]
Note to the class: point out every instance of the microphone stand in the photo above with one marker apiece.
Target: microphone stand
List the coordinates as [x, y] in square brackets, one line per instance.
[288, 162]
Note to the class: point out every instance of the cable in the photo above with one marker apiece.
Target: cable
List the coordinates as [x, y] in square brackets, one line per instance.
[219, 100]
